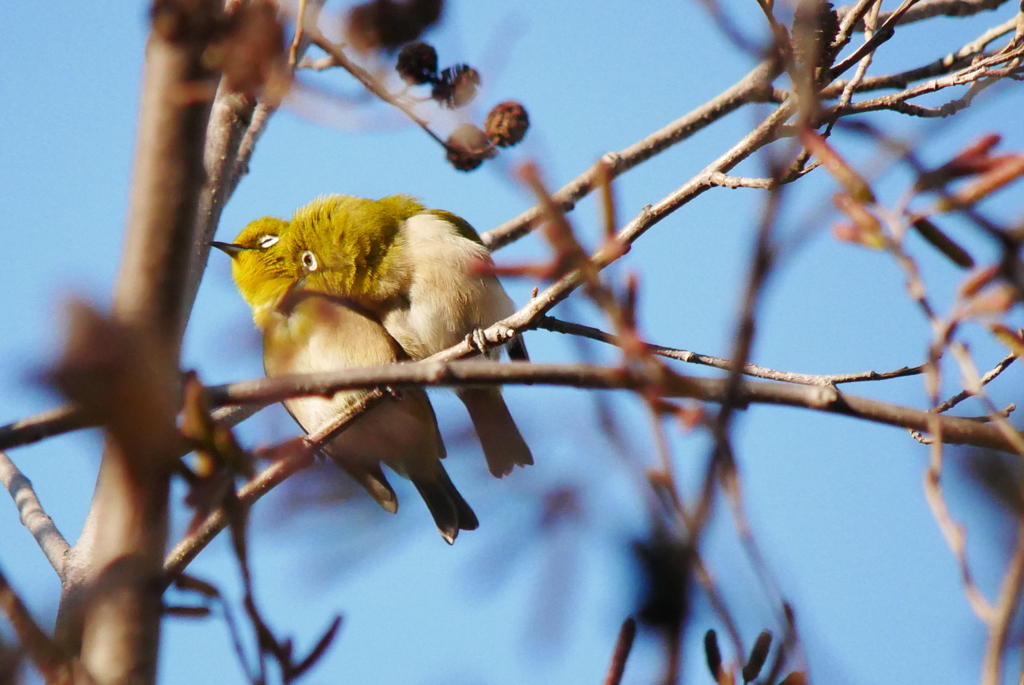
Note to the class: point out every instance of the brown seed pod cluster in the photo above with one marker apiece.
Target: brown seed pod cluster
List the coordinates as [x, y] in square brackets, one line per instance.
[504, 126]
[468, 147]
[815, 27]
[506, 123]
[454, 87]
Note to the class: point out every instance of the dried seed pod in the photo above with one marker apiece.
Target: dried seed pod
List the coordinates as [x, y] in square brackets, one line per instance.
[943, 243]
[468, 147]
[417, 63]
[815, 27]
[506, 124]
[186, 611]
[457, 86]
[666, 572]
[713, 654]
[758, 655]
[387, 24]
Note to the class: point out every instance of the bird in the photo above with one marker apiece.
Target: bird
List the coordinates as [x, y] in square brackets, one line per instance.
[423, 272]
[308, 332]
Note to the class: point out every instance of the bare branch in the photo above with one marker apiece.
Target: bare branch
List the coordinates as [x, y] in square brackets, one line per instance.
[41, 649]
[884, 33]
[754, 87]
[623, 645]
[40, 426]
[954, 533]
[989, 376]
[979, 73]
[478, 372]
[295, 459]
[1004, 613]
[370, 83]
[38, 522]
[943, 65]
[928, 9]
[67, 419]
[111, 600]
[553, 324]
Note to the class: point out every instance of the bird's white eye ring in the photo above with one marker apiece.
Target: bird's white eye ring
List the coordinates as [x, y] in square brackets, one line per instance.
[268, 240]
[309, 261]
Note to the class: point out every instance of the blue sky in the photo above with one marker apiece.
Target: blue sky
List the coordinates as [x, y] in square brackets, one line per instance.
[836, 504]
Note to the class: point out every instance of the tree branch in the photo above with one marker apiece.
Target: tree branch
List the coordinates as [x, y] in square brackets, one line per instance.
[40, 648]
[754, 87]
[928, 9]
[558, 326]
[38, 522]
[665, 382]
[943, 65]
[1004, 612]
[292, 461]
[111, 603]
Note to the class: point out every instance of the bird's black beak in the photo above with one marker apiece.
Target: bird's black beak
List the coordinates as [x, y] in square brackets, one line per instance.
[230, 249]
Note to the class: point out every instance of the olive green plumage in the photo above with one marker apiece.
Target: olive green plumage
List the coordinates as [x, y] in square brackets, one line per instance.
[423, 272]
[307, 332]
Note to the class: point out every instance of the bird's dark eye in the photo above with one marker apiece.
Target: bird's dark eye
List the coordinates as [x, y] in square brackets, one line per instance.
[309, 261]
[268, 240]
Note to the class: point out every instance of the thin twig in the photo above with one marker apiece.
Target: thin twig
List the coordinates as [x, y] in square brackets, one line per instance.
[293, 50]
[884, 33]
[928, 9]
[623, 645]
[989, 376]
[371, 83]
[559, 326]
[40, 648]
[870, 21]
[40, 426]
[33, 516]
[954, 533]
[275, 474]
[1003, 614]
[754, 87]
[943, 65]
[974, 72]
[973, 382]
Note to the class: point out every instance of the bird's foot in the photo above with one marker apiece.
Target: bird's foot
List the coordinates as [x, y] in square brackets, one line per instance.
[478, 341]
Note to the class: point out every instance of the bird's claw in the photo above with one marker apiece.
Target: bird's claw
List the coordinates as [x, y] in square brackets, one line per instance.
[478, 340]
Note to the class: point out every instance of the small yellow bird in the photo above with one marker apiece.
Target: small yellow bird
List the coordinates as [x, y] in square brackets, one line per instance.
[308, 332]
[419, 270]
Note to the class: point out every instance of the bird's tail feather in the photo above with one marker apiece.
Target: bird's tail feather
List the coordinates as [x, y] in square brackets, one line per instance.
[503, 444]
[450, 511]
[373, 480]
[516, 349]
